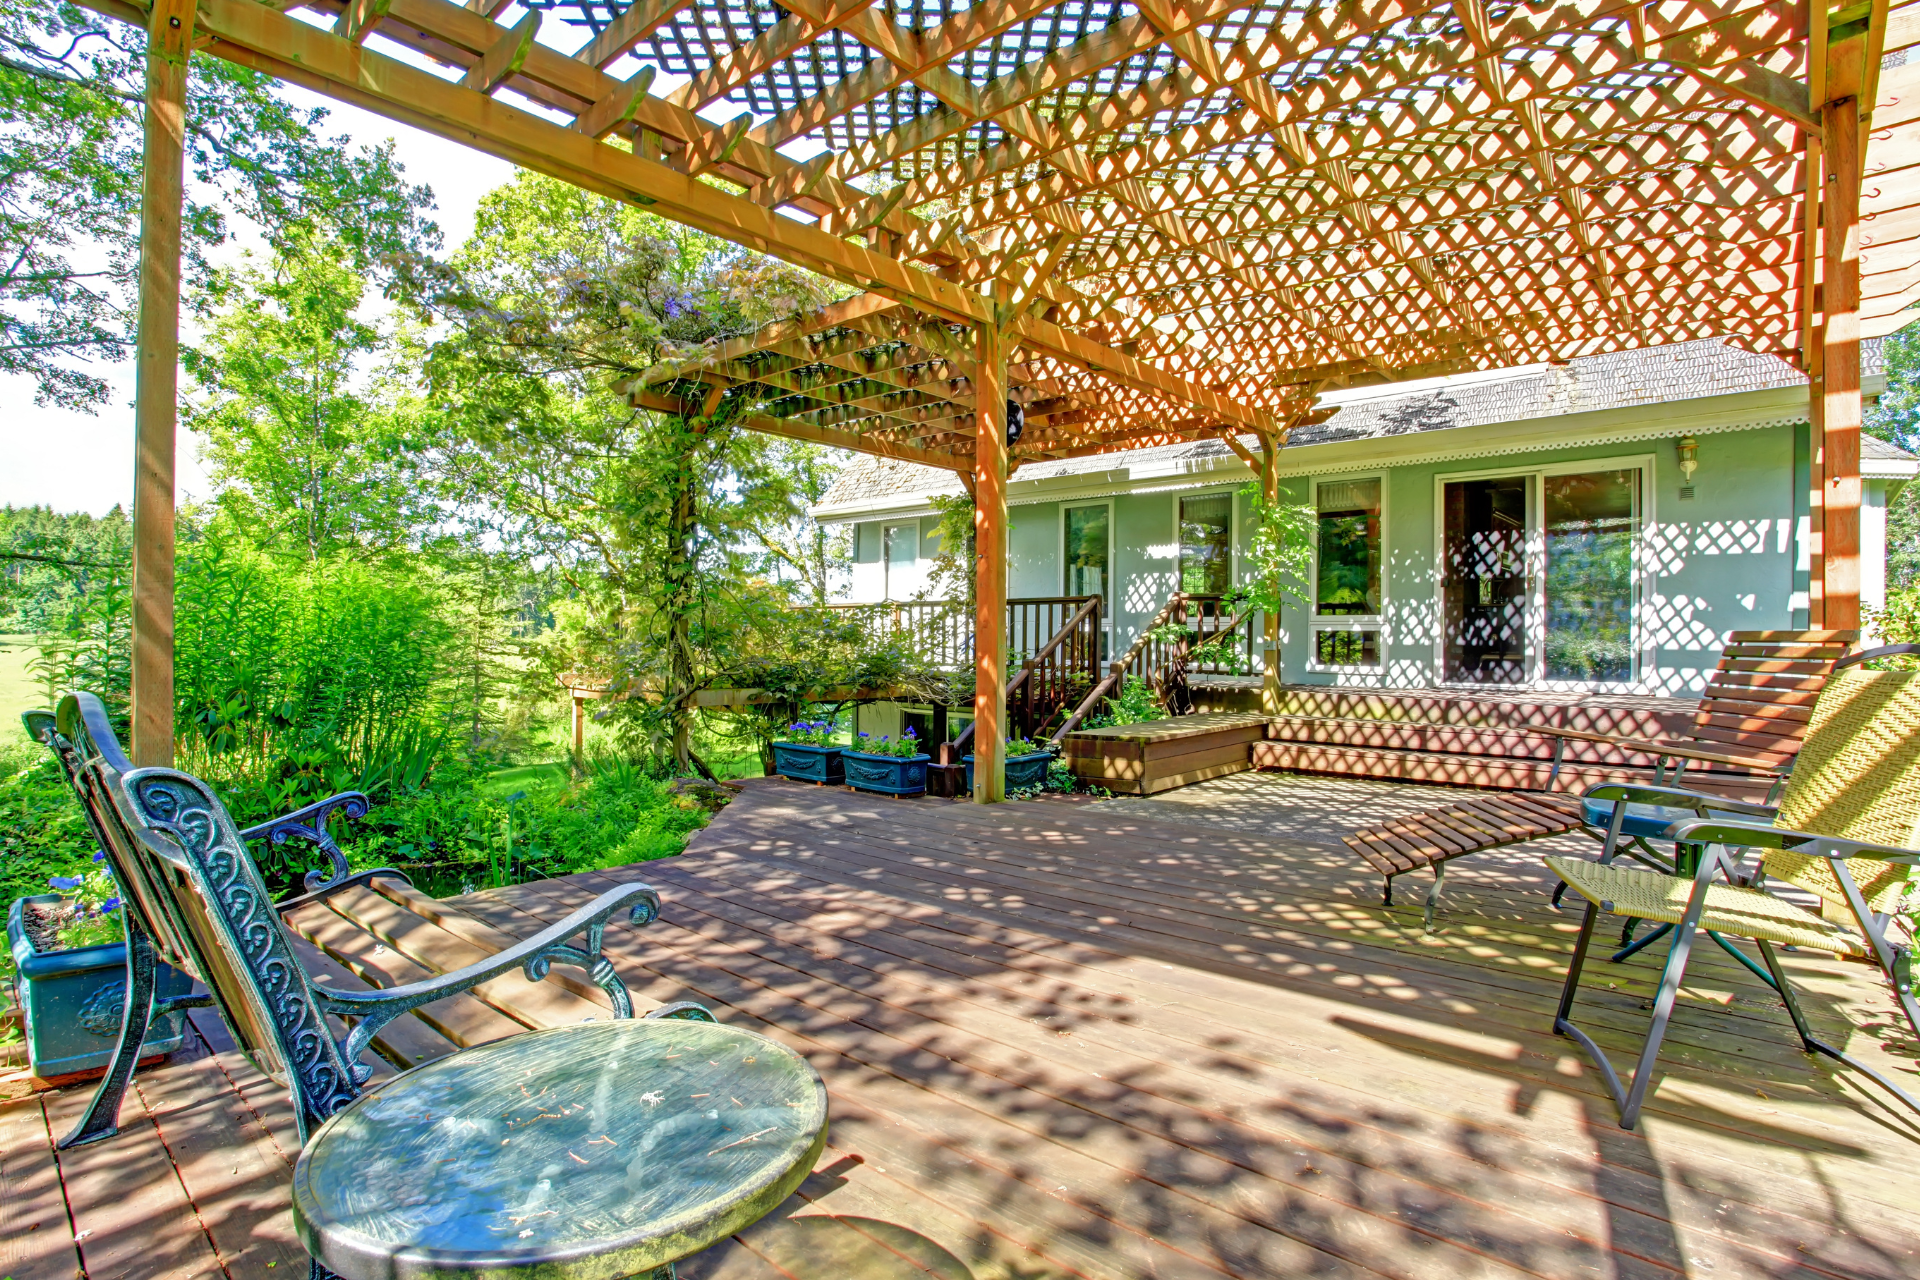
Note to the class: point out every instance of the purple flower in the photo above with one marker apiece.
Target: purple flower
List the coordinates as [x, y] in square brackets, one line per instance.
[111, 904]
[64, 882]
[99, 855]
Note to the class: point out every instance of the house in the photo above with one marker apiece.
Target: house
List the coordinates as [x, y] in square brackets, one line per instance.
[1595, 525]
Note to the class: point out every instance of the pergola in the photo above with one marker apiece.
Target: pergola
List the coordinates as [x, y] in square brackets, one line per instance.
[1126, 223]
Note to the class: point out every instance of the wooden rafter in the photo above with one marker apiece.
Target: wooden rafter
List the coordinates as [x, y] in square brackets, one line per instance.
[1184, 217]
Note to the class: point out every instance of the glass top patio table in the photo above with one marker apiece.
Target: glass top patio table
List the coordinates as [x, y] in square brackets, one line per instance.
[603, 1149]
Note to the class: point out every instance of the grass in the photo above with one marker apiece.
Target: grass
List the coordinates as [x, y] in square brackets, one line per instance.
[19, 691]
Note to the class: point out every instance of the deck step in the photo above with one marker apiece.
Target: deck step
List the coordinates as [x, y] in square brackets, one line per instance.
[1624, 715]
[1448, 739]
[1461, 770]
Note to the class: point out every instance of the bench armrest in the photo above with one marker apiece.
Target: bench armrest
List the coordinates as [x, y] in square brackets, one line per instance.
[1633, 793]
[309, 826]
[1656, 747]
[533, 957]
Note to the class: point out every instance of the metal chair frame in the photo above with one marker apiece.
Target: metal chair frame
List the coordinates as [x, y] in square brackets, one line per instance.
[194, 898]
[1712, 839]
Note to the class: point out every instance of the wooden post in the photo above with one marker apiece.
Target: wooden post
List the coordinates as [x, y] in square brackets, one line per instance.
[1816, 482]
[1840, 369]
[156, 379]
[990, 568]
[579, 729]
[1270, 675]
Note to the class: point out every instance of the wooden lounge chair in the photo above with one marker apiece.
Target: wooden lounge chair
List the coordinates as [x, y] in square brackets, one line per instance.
[1758, 699]
[1752, 714]
[1845, 831]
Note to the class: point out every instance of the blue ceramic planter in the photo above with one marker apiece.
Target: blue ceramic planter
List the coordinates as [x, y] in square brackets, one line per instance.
[73, 1000]
[889, 775]
[1025, 771]
[806, 763]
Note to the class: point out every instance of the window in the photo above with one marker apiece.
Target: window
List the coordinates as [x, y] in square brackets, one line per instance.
[901, 552]
[1347, 577]
[1591, 521]
[1087, 551]
[1206, 544]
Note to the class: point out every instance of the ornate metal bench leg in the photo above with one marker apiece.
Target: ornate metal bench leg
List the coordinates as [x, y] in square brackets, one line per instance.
[1386, 897]
[102, 1118]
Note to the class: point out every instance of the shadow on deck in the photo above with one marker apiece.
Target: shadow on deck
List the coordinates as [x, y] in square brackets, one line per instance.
[1128, 1040]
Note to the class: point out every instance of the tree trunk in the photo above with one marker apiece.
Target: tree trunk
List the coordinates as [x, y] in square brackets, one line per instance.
[681, 529]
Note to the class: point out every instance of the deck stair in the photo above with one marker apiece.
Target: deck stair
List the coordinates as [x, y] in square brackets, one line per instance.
[1477, 737]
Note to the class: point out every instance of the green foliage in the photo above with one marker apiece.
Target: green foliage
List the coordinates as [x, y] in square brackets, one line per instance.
[70, 162]
[300, 453]
[1279, 554]
[91, 914]
[1136, 703]
[1025, 747]
[457, 835]
[43, 831]
[906, 745]
[809, 733]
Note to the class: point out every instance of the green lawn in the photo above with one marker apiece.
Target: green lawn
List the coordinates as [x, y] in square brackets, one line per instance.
[18, 691]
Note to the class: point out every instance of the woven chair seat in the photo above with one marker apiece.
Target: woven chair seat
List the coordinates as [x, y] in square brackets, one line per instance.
[1730, 909]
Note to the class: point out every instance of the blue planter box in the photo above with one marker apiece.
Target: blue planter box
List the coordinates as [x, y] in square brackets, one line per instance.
[806, 763]
[1025, 771]
[73, 1000]
[889, 775]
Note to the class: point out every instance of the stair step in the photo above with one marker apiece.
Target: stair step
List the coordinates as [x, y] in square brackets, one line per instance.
[1461, 770]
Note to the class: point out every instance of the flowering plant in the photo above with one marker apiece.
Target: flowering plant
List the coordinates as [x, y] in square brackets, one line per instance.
[87, 918]
[1026, 747]
[907, 744]
[811, 733]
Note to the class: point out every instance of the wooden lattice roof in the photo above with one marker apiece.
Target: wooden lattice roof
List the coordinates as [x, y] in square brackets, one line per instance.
[1187, 218]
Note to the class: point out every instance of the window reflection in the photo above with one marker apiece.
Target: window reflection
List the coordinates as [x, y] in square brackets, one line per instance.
[1206, 544]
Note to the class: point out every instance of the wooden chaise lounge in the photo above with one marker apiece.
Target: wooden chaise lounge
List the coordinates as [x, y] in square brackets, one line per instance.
[1753, 715]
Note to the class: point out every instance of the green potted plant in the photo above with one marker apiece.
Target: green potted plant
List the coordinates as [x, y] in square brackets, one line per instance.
[1027, 762]
[807, 753]
[891, 766]
[70, 951]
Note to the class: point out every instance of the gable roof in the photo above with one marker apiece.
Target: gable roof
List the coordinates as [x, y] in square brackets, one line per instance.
[1591, 384]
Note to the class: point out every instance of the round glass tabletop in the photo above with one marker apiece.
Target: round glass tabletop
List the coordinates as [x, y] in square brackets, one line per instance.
[602, 1149]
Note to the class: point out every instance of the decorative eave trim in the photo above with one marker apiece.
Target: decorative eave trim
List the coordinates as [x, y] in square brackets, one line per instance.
[1622, 424]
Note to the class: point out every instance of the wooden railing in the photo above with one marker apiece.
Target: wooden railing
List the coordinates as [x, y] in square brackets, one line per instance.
[1052, 676]
[942, 630]
[1160, 650]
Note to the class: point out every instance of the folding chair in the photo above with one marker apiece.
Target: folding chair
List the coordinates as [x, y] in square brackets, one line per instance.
[1846, 831]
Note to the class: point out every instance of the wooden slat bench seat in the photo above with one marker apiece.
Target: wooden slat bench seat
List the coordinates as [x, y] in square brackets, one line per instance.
[1436, 837]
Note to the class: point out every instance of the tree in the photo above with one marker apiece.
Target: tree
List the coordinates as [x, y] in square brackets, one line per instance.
[662, 523]
[1895, 418]
[300, 451]
[70, 176]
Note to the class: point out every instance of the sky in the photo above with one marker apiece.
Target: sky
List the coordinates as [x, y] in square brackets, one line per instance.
[75, 461]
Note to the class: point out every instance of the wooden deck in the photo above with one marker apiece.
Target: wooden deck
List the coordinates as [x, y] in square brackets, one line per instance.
[1125, 1040]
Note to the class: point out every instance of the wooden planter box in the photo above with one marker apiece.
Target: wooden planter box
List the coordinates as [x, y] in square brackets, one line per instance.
[73, 1001]
[1157, 755]
[804, 762]
[889, 775]
[1029, 770]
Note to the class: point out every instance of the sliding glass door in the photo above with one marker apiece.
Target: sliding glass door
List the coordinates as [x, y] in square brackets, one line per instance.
[1539, 577]
[1590, 522]
[1484, 587]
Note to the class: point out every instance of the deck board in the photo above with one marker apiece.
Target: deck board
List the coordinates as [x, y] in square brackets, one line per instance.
[1123, 1040]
